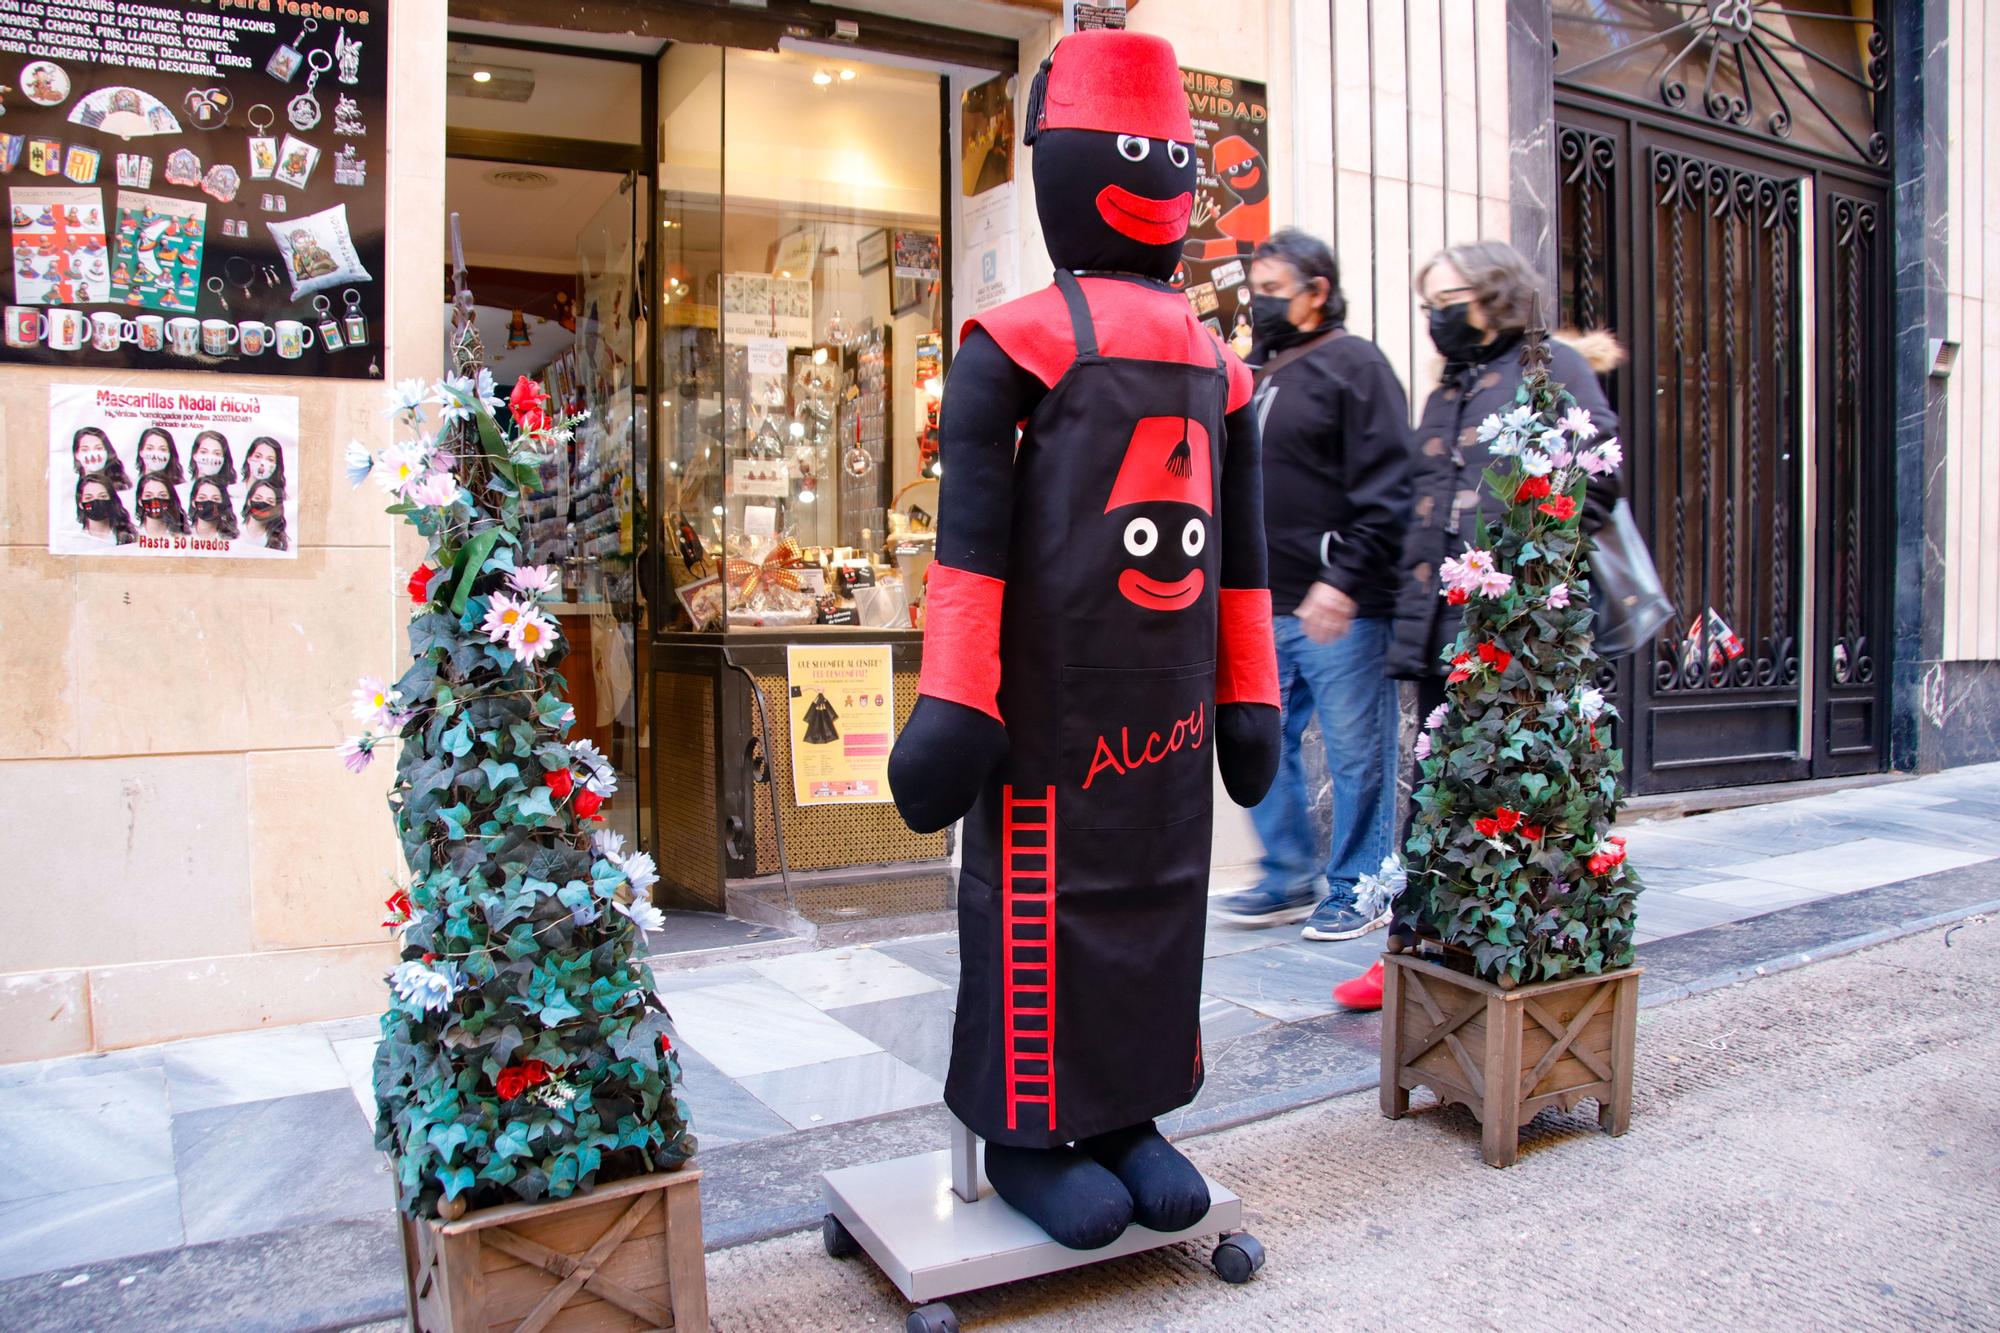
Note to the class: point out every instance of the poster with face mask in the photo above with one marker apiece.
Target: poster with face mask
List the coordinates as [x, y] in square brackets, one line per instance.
[1232, 206]
[150, 472]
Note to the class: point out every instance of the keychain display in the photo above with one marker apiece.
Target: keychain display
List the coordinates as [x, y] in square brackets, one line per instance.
[91, 239]
[327, 325]
[263, 147]
[296, 160]
[303, 110]
[286, 60]
[353, 322]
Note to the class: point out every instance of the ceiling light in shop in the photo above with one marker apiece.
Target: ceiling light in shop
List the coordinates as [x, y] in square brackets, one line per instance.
[520, 178]
[482, 76]
[846, 75]
[822, 78]
[494, 83]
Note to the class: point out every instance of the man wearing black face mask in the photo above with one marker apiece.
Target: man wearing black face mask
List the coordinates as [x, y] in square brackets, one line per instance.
[1335, 427]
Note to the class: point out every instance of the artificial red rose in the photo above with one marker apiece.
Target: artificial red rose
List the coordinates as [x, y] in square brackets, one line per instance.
[398, 904]
[666, 1044]
[1456, 597]
[560, 782]
[1531, 488]
[517, 1079]
[420, 584]
[1507, 819]
[1495, 656]
[1461, 673]
[1607, 857]
[1531, 832]
[1487, 828]
[1562, 508]
[529, 404]
[587, 803]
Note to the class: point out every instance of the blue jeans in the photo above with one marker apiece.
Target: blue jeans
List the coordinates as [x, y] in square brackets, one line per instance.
[1343, 682]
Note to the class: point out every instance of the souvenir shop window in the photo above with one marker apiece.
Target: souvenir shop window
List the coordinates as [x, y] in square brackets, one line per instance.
[804, 473]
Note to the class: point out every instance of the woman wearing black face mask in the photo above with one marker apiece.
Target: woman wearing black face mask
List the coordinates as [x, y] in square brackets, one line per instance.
[208, 505]
[1479, 299]
[1336, 497]
[100, 513]
[160, 513]
[264, 517]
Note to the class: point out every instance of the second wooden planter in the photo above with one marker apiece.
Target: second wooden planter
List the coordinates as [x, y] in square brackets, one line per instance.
[1508, 1054]
[625, 1256]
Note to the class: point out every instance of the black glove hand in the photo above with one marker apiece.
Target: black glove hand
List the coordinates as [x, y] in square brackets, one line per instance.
[941, 760]
[1246, 748]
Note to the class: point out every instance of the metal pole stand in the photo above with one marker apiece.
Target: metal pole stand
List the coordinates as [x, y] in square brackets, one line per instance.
[936, 1228]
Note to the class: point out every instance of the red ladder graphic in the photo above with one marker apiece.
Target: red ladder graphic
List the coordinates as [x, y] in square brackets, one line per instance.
[1027, 932]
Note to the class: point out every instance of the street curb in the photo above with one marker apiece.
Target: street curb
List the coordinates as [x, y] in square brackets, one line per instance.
[1683, 990]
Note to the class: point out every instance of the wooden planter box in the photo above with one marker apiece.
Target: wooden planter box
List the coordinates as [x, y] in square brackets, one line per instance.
[625, 1256]
[1505, 1055]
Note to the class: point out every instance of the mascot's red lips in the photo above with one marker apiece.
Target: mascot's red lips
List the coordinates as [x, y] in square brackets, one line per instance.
[1147, 221]
[1150, 594]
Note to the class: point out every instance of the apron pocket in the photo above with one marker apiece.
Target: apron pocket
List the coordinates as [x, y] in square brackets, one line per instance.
[1136, 746]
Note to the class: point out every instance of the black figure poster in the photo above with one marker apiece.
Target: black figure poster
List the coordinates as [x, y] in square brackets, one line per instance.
[195, 184]
[1232, 201]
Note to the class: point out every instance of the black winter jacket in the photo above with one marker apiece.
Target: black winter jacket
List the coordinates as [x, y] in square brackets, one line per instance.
[1334, 425]
[1448, 469]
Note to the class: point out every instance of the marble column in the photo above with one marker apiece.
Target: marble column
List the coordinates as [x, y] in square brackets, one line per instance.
[1917, 131]
[1531, 134]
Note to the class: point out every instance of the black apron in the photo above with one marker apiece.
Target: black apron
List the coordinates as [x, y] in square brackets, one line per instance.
[1099, 820]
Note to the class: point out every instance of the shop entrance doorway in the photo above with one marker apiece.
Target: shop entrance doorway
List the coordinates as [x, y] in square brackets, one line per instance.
[546, 173]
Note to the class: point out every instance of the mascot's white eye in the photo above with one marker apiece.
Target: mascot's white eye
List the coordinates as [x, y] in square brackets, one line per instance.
[1192, 537]
[1177, 153]
[1141, 536]
[1133, 148]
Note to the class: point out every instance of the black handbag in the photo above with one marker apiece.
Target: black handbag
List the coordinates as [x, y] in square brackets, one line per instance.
[1631, 605]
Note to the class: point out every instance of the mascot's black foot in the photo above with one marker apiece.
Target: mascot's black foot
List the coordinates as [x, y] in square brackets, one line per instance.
[1078, 1202]
[1168, 1193]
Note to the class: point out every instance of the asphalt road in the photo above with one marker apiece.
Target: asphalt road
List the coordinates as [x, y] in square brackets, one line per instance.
[1818, 1149]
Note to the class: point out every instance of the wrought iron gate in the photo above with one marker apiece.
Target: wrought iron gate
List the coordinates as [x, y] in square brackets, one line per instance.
[1750, 285]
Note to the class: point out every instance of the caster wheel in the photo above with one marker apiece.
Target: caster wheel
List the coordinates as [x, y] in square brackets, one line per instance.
[933, 1318]
[839, 1241]
[1237, 1257]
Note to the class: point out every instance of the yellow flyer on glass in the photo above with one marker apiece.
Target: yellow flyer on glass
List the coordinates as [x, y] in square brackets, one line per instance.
[843, 723]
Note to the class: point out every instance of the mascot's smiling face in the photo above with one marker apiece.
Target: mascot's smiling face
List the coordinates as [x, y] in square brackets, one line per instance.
[1117, 202]
[1113, 157]
[1164, 498]
[1241, 168]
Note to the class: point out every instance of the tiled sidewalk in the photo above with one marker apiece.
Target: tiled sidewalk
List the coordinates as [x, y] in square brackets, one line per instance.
[155, 1149]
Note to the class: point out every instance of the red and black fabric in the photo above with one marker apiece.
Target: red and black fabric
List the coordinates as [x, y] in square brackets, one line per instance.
[1099, 818]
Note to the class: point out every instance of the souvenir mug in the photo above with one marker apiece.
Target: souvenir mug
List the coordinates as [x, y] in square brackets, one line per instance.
[67, 329]
[108, 330]
[150, 332]
[252, 337]
[184, 336]
[25, 326]
[293, 338]
[217, 336]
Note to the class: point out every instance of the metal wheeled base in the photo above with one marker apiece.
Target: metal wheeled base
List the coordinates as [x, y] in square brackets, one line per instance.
[935, 1227]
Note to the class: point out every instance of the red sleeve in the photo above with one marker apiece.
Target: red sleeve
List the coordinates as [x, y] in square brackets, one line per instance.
[1246, 666]
[962, 638]
[1033, 331]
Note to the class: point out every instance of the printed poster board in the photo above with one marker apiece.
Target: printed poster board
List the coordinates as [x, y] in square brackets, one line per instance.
[143, 473]
[195, 186]
[843, 708]
[1232, 209]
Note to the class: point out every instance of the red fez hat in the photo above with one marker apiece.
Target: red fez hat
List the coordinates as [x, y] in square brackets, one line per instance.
[1110, 80]
[1167, 459]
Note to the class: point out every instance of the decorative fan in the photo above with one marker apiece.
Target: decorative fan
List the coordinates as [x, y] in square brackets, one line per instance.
[129, 113]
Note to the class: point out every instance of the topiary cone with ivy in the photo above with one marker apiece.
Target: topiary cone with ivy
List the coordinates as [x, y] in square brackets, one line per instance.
[1512, 864]
[522, 1053]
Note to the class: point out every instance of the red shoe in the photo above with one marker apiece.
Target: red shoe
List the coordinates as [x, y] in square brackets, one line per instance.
[1363, 992]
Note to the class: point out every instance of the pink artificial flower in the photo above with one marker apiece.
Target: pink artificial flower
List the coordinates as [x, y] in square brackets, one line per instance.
[1437, 717]
[1578, 424]
[503, 613]
[1559, 597]
[1423, 750]
[533, 636]
[357, 752]
[535, 580]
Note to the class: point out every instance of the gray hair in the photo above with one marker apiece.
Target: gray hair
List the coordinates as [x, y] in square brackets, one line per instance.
[1310, 258]
[1503, 282]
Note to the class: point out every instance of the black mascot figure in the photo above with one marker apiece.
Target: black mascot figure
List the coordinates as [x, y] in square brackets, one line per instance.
[1097, 639]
